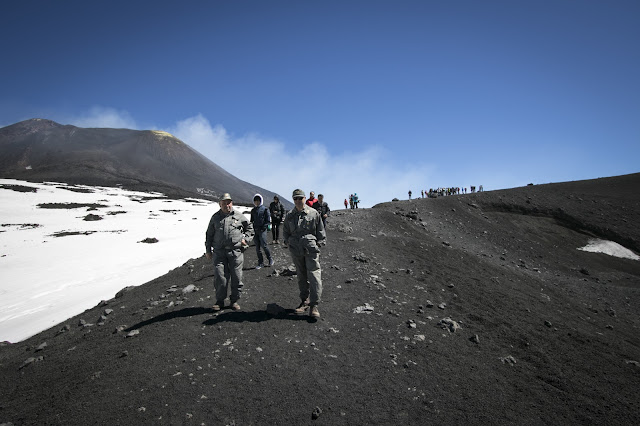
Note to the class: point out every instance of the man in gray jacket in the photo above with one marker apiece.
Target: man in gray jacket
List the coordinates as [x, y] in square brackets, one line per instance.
[303, 232]
[227, 236]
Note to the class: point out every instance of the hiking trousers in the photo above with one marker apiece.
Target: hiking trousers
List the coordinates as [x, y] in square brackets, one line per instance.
[260, 240]
[228, 270]
[309, 276]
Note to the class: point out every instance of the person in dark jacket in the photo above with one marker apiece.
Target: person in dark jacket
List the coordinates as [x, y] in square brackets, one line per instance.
[323, 209]
[277, 215]
[261, 220]
[226, 240]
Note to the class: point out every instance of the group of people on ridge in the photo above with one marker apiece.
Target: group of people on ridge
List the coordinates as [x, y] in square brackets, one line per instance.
[303, 233]
[353, 201]
[439, 192]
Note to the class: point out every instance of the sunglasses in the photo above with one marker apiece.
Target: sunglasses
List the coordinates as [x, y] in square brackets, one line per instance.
[298, 198]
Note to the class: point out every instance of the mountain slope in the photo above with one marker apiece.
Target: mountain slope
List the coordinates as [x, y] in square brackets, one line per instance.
[43, 150]
[469, 309]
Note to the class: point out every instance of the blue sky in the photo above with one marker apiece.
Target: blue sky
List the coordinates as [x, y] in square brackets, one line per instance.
[373, 97]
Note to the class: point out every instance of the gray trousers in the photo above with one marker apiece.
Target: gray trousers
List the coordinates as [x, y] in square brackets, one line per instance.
[309, 276]
[228, 270]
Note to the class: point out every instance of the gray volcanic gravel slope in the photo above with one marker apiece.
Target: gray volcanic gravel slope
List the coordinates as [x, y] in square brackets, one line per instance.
[465, 309]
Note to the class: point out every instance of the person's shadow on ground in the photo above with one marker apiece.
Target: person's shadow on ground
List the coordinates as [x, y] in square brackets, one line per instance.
[226, 315]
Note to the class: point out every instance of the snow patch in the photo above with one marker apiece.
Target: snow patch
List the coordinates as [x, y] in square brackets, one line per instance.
[610, 248]
[55, 265]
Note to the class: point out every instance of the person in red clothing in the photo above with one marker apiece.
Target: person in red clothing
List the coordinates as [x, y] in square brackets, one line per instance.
[346, 203]
[312, 199]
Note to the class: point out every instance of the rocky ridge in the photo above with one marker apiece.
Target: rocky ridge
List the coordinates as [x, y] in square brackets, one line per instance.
[473, 308]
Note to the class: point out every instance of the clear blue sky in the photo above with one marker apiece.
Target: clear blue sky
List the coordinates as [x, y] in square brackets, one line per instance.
[373, 97]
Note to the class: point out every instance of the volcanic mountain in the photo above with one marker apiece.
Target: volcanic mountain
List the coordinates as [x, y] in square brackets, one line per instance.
[467, 309]
[148, 160]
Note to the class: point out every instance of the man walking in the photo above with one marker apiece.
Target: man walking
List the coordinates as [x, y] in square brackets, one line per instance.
[226, 240]
[277, 215]
[304, 232]
[323, 209]
[261, 219]
[312, 199]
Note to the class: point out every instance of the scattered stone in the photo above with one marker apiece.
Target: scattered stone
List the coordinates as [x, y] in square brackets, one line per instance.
[149, 240]
[361, 257]
[41, 347]
[429, 304]
[124, 354]
[548, 324]
[419, 337]
[446, 243]
[636, 363]
[92, 217]
[364, 309]
[316, 413]
[287, 271]
[30, 361]
[584, 271]
[344, 228]
[133, 333]
[64, 329]
[508, 360]
[189, 289]
[475, 339]
[108, 312]
[451, 325]
[333, 330]
[81, 323]
[411, 324]
[442, 306]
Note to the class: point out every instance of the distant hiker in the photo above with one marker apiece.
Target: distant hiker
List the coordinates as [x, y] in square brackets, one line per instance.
[226, 240]
[480, 189]
[351, 201]
[304, 233]
[345, 203]
[312, 199]
[323, 208]
[355, 200]
[261, 220]
[409, 194]
[422, 193]
[277, 215]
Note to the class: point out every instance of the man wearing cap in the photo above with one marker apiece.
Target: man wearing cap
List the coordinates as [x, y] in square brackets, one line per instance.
[227, 236]
[304, 233]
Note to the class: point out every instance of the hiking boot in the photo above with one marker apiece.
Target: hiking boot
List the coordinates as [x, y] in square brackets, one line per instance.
[260, 266]
[235, 306]
[304, 305]
[313, 312]
[219, 305]
[272, 262]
